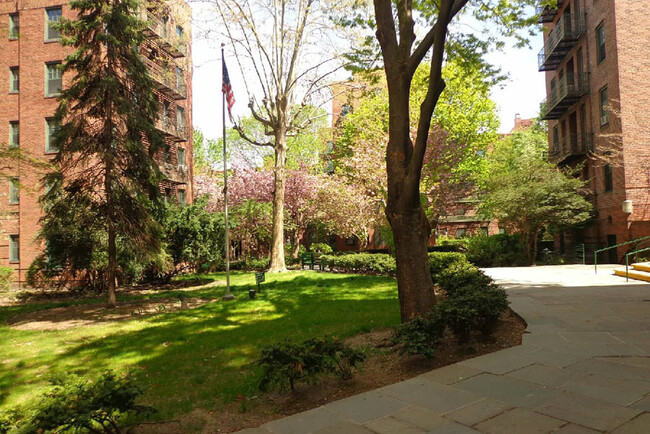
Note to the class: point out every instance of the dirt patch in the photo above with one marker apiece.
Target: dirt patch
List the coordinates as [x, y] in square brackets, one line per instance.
[384, 366]
[63, 318]
[30, 295]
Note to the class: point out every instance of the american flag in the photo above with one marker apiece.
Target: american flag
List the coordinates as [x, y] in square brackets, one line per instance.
[226, 88]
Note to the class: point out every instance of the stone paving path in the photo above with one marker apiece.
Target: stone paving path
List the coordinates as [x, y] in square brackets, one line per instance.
[583, 367]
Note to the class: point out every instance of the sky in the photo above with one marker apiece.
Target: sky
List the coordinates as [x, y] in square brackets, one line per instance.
[521, 94]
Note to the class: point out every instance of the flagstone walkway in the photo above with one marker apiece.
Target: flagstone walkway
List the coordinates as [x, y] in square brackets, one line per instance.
[583, 367]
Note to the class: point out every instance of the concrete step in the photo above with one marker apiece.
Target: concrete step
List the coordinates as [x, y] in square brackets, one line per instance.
[634, 274]
[642, 266]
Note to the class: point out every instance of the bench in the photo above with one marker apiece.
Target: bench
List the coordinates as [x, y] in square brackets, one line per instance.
[312, 260]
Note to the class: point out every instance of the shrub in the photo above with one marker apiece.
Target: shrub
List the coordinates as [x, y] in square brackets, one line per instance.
[440, 261]
[6, 276]
[495, 250]
[289, 363]
[75, 404]
[473, 308]
[444, 244]
[364, 263]
[325, 249]
[258, 264]
[462, 276]
[420, 335]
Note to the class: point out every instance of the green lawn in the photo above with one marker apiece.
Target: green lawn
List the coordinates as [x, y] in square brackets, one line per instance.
[199, 357]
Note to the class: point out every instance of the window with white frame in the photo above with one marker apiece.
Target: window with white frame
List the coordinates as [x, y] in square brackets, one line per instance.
[14, 26]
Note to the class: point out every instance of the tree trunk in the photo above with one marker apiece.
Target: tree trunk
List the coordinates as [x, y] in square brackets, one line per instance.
[411, 228]
[411, 232]
[297, 236]
[277, 264]
[111, 272]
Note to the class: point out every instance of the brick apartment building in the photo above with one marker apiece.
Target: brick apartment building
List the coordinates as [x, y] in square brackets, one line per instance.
[597, 60]
[30, 58]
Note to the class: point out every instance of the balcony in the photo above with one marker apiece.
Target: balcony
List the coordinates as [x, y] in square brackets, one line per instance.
[567, 92]
[560, 40]
[173, 44]
[172, 130]
[546, 14]
[168, 82]
[573, 146]
[175, 173]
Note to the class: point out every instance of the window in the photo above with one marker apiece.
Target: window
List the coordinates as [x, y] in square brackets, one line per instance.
[180, 117]
[502, 231]
[179, 78]
[484, 231]
[604, 102]
[14, 26]
[53, 75]
[179, 31]
[168, 194]
[609, 183]
[51, 127]
[181, 158]
[460, 232]
[14, 248]
[180, 197]
[165, 113]
[52, 17]
[600, 42]
[14, 191]
[556, 139]
[14, 79]
[14, 135]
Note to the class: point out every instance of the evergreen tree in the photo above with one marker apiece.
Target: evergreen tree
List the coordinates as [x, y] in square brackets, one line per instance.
[106, 139]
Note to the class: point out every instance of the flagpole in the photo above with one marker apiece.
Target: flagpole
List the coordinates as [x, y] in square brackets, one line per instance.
[228, 295]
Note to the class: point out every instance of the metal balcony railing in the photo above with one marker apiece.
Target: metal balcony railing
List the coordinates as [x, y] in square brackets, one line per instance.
[546, 14]
[175, 173]
[172, 130]
[568, 90]
[572, 146]
[169, 81]
[560, 40]
[173, 44]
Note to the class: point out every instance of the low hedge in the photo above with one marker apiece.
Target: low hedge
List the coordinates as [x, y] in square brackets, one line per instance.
[379, 263]
[363, 263]
[6, 276]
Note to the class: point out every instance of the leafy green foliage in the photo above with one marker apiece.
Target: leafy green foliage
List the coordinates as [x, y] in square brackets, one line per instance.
[289, 363]
[364, 263]
[527, 193]
[500, 250]
[77, 404]
[460, 276]
[439, 262]
[420, 335]
[194, 238]
[324, 248]
[473, 308]
[6, 276]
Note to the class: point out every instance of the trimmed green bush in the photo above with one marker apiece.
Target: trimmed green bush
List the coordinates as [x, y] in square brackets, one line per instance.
[473, 308]
[362, 263]
[502, 250]
[441, 261]
[290, 363]
[75, 404]
[6, 275]
[462, 276]
[420, 335]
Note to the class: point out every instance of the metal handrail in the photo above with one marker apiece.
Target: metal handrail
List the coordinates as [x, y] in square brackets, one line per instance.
[627, 263]
[638, 240]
